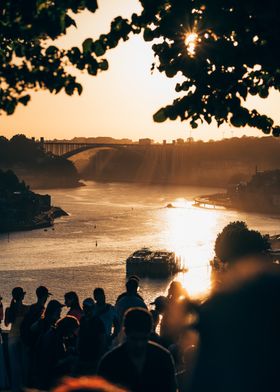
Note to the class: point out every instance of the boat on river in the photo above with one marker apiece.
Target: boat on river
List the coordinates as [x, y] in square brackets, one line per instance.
[153, 264]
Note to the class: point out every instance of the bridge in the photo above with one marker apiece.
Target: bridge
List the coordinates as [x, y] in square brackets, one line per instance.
[68, 149]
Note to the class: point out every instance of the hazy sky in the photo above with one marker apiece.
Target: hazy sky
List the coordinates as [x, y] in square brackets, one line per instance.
[119, 102]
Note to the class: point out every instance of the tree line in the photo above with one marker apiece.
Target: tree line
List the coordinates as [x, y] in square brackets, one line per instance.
[30, 162]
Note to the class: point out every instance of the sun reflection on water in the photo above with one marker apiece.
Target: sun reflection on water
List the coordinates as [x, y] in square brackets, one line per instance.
[191, 234]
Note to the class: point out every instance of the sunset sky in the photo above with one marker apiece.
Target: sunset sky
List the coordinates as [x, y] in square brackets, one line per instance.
[119, 102]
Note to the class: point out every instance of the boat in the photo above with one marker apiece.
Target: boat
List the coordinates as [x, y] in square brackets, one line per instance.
[153, 264]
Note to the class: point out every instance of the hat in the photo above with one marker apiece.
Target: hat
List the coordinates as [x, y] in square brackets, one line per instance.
[88, 303]
[159, 301]
[18, 292]
[134, 277]
[42, 291]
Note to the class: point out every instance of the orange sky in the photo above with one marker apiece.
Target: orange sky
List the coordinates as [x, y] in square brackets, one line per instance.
[119, 102]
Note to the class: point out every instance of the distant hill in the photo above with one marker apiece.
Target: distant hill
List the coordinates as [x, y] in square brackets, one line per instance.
[213, 163]
[30, 163]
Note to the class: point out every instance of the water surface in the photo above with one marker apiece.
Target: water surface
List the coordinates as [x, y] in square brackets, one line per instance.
[107, 222]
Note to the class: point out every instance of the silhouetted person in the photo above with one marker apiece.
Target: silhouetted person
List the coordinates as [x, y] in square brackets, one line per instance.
[34, 314]
[130, 300]
[56, 357]
[154, 336]
[160, 304]
[240, 342]
[1, 311]
[92, 339]
[72, 302]
[138, 364]
[107, 314]
[175, 313]
[185, 374]
[17, 353]
[47, 321]
[3, 369]
[133, 277]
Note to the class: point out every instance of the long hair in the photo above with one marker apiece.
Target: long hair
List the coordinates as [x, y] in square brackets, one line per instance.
[11, 312]
[73, 296]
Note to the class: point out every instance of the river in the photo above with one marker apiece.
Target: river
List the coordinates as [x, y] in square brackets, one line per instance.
[106, 223]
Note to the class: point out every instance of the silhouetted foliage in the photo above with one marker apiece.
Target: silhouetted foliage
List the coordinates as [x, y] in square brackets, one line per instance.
[232, 55]
[10, 182]
[28, 60]
[236, 241]
[25, 156]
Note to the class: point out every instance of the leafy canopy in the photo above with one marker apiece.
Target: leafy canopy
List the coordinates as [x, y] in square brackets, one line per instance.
[225, 51]
[28, 60]
[236, 241]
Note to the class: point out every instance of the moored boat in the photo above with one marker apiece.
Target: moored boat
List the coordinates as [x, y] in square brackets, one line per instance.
[153, 264]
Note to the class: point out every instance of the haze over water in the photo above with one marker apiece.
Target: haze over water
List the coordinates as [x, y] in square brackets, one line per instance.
[121, 218]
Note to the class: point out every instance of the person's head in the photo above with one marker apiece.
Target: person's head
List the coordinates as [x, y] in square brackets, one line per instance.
[72, 300]
[17, 298]
[53, 310]
[99, 295]
[237, 243]
[88, 307]
[160, 304]
[175, 290]
[138, 325]
[132, 286]
[87, 384]
[134, 277]
[18, 294]
[42, 294]
[67, 326]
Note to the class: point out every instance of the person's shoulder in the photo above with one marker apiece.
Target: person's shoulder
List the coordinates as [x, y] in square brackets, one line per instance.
[157, 349]
[139, 296]
[120, 297]
[112, 354]
[122, 300]
[109, 308]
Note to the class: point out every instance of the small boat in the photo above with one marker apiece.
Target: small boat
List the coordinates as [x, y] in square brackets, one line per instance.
[153, 264]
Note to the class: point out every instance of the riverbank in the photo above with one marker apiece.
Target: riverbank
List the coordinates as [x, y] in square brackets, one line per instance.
[43, 220]
[223, 200]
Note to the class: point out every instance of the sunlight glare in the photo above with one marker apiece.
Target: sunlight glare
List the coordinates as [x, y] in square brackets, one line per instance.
[191, 42]
[191, 230]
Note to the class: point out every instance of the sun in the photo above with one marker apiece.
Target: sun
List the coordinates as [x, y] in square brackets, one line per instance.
[190, 42]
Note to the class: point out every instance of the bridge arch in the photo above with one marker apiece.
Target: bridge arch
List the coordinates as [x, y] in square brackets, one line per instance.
[68, 149]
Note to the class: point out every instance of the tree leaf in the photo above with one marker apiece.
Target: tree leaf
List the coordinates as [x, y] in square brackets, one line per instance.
[160, 116]
[87, 45]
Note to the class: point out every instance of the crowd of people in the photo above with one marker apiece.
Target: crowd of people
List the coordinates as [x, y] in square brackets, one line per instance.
[230, 342]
